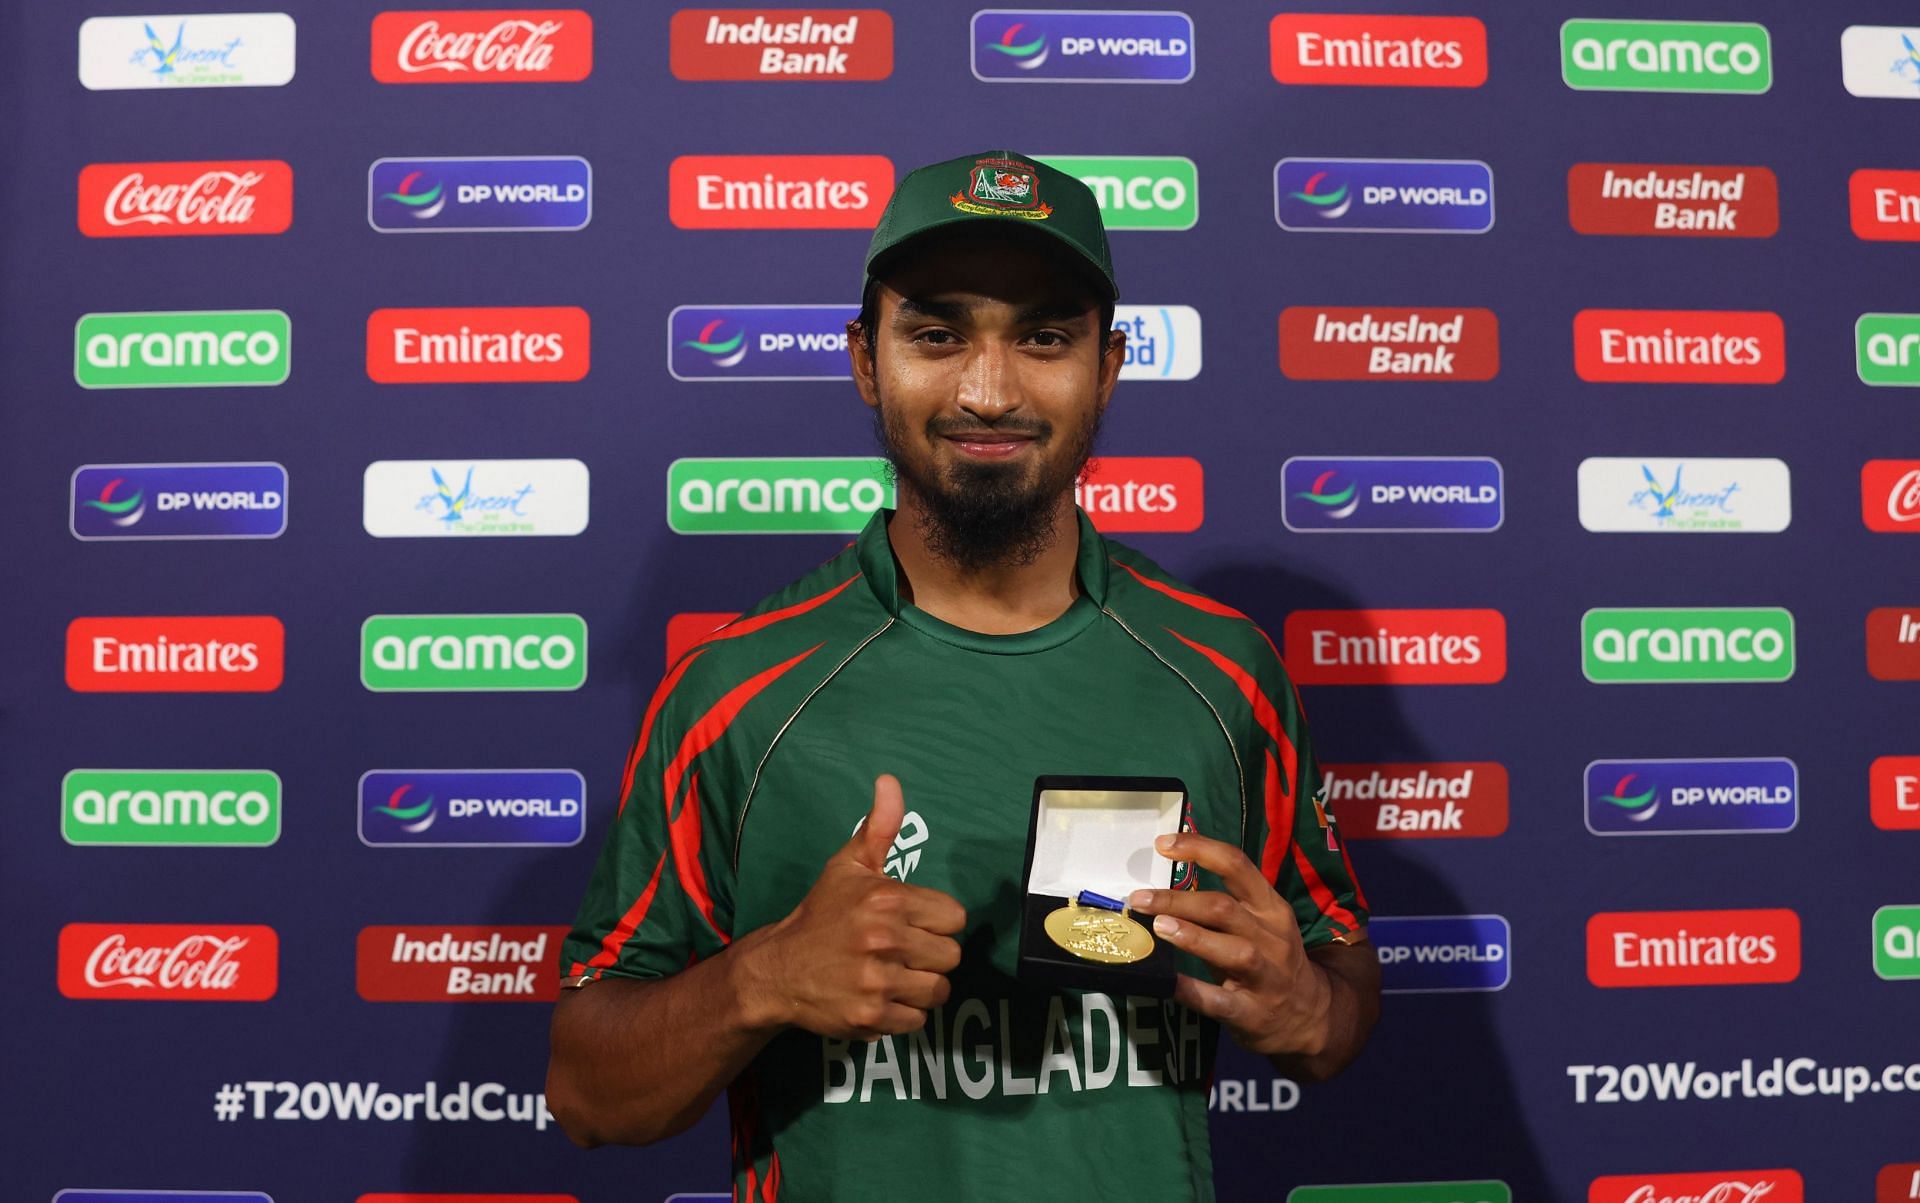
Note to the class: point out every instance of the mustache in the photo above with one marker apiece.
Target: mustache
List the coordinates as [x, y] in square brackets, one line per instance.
[948, 426]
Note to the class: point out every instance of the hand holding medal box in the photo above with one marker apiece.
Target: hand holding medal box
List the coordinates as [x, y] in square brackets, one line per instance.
[1090, 845]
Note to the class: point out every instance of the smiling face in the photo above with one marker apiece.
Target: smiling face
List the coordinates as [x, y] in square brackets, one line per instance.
[988, 371]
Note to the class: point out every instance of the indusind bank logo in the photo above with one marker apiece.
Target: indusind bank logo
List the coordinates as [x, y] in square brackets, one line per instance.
[1081, 46]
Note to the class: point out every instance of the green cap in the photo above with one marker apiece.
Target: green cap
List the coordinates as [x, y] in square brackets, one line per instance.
[997, 186]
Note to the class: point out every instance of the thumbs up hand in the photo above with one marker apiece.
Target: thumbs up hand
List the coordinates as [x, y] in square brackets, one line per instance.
[862, 955]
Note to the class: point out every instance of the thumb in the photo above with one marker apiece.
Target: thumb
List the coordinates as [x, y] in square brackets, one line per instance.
[875, 836]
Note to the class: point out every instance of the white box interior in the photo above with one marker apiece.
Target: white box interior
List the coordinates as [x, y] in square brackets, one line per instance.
[1102, 840]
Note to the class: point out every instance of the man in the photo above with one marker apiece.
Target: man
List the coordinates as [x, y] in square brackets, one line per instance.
[858, 998]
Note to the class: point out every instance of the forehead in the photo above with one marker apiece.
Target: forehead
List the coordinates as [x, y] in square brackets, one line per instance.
[1022, 271]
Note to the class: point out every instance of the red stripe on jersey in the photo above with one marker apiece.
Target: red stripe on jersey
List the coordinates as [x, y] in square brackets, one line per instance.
[760, 622]
[770, 1192]
[684, 833]
[1322, 896]
[1197, 601]
[714, 723]
[1273, 857]
[646, 726]
[1263, 711]
[629, 922]
[1359, 895]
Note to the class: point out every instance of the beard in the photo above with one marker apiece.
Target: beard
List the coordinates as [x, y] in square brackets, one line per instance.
[975, 515]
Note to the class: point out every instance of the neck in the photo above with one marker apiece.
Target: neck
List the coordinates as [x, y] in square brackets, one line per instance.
[997, 599]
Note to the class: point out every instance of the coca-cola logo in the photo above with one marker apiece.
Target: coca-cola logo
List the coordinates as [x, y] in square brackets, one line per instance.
[169, 960]
[195, 963]
[216, 197]
[1903, 500]
[482, 46]
[1890, 495]
[121, 200]
[1709, 1186]
[1721, 1192]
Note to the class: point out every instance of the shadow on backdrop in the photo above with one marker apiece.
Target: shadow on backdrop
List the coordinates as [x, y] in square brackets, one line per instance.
[1432, 1096]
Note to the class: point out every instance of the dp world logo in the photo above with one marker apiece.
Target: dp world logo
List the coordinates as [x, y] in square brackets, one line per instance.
[418, 197]
[472, 808]
[1324, 197]
[722, 348]
[1384, 196]
[1392, 493]
[178, 501]
[1082, 47]
[1015, 48]
[479, 196]
[758, 342]
[1331, 495]
[1692, 797]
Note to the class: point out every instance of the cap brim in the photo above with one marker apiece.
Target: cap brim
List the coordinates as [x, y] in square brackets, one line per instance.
[1035, 233]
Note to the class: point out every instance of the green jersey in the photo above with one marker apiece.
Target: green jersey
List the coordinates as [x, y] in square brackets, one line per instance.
[754, 763]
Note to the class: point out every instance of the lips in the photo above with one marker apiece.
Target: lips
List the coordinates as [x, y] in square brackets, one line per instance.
[987, 444]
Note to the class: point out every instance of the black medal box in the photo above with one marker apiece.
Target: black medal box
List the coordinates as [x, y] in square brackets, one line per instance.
[1097, 833]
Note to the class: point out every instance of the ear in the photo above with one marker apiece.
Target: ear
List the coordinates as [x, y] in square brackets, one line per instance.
[1111, 360]
[860, 357]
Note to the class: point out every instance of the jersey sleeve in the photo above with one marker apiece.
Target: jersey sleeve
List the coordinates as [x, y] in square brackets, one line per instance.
[1301, 851]
[650, 906]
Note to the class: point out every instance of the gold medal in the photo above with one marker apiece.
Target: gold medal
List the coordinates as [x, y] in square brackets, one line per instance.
[1093, 934]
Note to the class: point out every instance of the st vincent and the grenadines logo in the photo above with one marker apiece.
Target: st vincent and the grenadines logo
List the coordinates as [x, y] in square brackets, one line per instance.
[181, 348]
[1692, 797]
[1137, 192]
[1486, 1191]
[1366, 493]
[1662, 495]
[756, 496]
[465, 498]
[176, 808]
[177, 501]
[1081, 46]
[1881, 61]
[480, 196]
[200, 50]
[1665, 646]
[455, 652]
[1442, 954]
[1733, 57]
[472, 808]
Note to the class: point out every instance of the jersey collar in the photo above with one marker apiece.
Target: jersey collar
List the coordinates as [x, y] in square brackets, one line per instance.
[877, 566]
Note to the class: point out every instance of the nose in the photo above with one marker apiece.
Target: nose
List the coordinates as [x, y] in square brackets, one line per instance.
[990, 382]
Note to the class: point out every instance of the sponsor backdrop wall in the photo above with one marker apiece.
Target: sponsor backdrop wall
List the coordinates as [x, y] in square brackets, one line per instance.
[386, 391]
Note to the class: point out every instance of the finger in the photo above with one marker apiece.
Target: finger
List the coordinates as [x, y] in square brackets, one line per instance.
[873, 839]
[1206, 908]
[931, 910]
[1230, 955]
[1239, 874]
[1215, 1002]
[922, 990]
[897, 1018]
[926, 951]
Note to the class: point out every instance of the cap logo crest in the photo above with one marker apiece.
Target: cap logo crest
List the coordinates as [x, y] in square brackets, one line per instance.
[1002, 188]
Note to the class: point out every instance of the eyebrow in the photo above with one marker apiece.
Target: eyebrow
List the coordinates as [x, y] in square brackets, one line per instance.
[953, 311]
